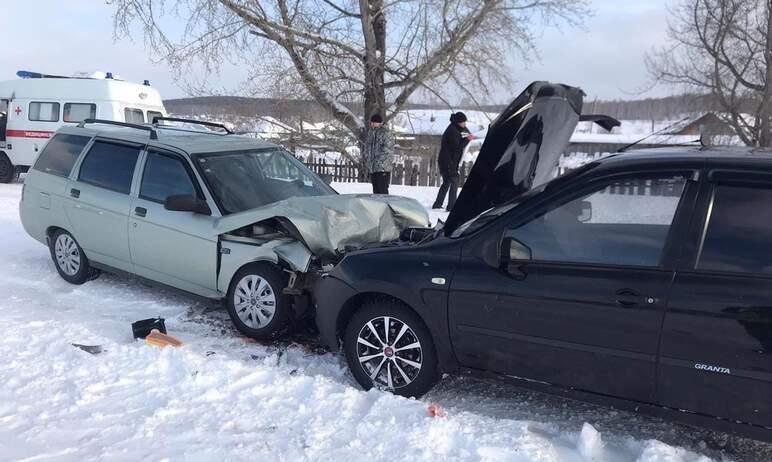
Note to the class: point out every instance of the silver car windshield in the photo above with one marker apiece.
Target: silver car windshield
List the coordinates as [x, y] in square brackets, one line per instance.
[246, 180]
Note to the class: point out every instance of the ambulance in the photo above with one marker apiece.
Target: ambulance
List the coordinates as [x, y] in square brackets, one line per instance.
[35, 105]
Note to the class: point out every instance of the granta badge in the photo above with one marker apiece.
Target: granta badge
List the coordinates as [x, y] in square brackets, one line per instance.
[717, 369]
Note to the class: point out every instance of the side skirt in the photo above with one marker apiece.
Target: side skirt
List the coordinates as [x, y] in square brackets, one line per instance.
[692, 419]
[110, 269]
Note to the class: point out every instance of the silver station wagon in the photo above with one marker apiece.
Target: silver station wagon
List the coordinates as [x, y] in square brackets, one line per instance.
[201, 210]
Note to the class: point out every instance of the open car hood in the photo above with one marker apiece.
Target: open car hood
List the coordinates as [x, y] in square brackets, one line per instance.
[522, 148]
[330, 225]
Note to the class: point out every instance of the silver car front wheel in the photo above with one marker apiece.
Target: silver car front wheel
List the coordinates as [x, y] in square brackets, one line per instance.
[255, 301]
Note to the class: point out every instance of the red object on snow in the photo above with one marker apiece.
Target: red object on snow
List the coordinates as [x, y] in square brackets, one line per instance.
[156, 338]
[435, 410]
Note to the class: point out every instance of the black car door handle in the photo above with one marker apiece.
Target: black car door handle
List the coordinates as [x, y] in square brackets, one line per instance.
[627, 297]
[75, 193]
[140, 211]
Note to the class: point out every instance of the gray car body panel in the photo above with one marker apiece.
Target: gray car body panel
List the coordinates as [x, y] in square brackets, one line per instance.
[200, 253]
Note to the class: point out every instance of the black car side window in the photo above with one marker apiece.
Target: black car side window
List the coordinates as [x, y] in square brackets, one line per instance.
[738, 237]
[624, 222]
[165, 176]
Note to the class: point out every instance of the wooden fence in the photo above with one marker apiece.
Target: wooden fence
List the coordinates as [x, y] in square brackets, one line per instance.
[426, 173]
[422, 173]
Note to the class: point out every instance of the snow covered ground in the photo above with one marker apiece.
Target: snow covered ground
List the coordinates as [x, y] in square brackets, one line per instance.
[220, 397]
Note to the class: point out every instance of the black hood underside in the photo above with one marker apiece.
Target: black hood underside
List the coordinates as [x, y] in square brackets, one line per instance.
[522, 148]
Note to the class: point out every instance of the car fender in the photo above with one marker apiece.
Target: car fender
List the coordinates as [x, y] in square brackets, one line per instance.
[420, 280]
[234, 255]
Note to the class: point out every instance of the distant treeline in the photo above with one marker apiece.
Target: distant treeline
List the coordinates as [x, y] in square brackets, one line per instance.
[653, 108]
[285, 109]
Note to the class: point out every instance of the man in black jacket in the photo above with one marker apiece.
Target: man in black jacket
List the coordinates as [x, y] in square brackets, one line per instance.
[452, 146]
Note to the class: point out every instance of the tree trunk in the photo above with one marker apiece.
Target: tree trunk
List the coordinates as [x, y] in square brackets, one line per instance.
[765, 133]
[374, 31]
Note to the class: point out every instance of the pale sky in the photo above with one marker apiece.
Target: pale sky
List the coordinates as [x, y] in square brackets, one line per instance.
[604, 57]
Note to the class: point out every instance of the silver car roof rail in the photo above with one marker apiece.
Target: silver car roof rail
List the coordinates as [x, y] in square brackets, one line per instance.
[151, 129]
[205, 123]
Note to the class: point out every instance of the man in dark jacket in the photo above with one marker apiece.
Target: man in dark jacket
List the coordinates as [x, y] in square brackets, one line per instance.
[378, 155]
[452, 146]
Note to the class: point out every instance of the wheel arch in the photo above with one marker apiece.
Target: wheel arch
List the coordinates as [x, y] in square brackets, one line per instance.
[51, 230]
[257, 261]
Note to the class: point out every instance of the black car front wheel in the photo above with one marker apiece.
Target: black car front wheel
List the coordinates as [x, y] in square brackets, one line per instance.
[388, 346]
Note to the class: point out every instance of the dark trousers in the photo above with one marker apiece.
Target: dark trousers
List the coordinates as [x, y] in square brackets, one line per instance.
[449, 187]
[380, 181]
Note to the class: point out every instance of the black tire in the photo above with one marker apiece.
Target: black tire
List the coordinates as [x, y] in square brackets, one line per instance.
[74, 253]
[8, 172]
[257, 304]
[421, 380]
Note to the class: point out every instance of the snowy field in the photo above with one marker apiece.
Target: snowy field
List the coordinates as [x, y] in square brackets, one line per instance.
[220, 397]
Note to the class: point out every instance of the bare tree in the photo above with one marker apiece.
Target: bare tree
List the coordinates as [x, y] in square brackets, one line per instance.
[376, 53]
[723, 48]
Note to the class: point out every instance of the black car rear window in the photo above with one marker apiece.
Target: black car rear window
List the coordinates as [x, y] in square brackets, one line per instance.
[60, 154]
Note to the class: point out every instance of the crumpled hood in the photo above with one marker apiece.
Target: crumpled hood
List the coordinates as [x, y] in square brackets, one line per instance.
[521, 149]
[328, 225]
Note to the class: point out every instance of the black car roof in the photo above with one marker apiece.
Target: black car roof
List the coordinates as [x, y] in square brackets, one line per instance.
[711, 155]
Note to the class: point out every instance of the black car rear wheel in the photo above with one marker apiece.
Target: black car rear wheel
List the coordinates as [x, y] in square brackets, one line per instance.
[388, 346]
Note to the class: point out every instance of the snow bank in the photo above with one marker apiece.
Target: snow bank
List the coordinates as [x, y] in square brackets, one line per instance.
[220, 397]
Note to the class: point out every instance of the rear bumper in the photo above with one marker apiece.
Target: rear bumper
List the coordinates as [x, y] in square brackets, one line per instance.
[330, 296]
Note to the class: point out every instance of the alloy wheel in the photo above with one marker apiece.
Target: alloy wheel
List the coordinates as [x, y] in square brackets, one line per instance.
[67, 254]
[255, 301]
[390, 353]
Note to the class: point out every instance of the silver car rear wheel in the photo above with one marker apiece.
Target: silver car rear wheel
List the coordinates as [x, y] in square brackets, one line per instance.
[68, 257]
[255, 301]
[70, 261]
